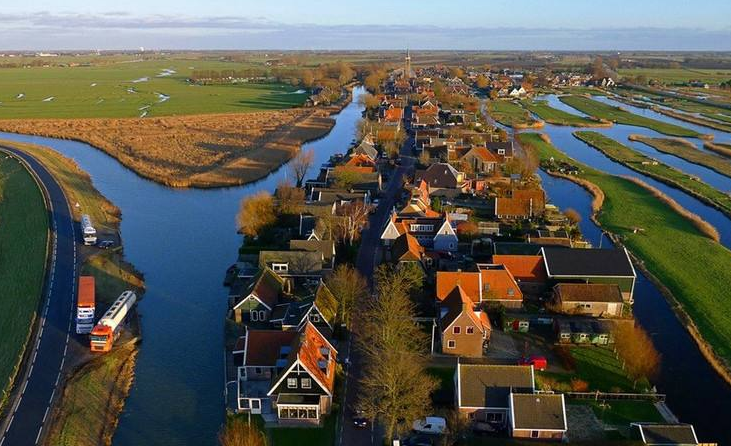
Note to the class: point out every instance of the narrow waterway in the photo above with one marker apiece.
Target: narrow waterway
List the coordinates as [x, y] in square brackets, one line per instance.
[182, 240]
[685, 376]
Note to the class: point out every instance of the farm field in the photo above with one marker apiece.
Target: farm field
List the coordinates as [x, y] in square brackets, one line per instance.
[693, 267]
[687, 151]
[603, 111]
[23, 239]
[679, 75]
[660, 171]
[511, 114]
[560, 117]
[132, 88]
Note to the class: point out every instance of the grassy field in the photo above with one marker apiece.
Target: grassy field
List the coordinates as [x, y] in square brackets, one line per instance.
[560, 117]
[598, 366]
[679, 75]
[687, 151]
[23, 239]
[292, 436]
[662, 172]
[511, 114]
[130, 88]
[693, 267]
[603, 111]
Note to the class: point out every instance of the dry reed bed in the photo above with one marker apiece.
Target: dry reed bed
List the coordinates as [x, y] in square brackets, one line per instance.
[702, 225]
[192, 151]
[721, 149]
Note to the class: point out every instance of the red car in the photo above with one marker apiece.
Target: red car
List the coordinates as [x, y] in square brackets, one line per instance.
[538, 362]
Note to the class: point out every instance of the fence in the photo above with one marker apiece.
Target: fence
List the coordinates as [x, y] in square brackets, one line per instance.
[654, 397]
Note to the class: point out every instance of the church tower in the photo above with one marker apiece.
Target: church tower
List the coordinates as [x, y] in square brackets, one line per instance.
[407, 65]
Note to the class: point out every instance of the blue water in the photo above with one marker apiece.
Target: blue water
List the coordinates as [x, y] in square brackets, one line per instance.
[182, 240]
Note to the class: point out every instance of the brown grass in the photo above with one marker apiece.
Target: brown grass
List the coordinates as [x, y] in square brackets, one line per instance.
[721, 149]
[193, 151]
[695, 120]
[702, 225]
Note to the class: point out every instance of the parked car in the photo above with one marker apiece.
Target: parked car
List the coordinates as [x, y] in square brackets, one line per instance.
[538, 362]
[105, 244]
[359, 420]
[430, 425]
[418, 440]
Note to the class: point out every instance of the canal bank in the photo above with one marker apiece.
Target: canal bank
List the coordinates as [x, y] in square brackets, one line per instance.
[181, 240]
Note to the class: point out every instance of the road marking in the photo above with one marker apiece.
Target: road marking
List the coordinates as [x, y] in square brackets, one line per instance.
[25, 385]
[38, 437]
[45, 414]
[2, 440]
[58, 378]
[50, 400]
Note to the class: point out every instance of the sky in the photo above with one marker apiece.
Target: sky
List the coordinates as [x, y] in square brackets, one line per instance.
[371, 24]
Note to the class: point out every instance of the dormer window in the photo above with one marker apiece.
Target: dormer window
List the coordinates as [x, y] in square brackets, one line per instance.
[511, 292]
[280, 267]
[501, 151]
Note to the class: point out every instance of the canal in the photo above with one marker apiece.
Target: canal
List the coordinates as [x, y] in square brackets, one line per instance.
[182, 240]
[685, 376]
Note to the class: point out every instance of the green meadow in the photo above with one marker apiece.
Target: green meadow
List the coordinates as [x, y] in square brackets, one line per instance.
[23, 238]
[129, 88]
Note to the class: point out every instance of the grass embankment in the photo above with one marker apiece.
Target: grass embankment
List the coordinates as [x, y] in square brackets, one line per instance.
[512, 115]
[23, 240]
[77, 186]
[692, 268]
[615, 114]
[93, 398]
[655, 169]
[119, 90]
[193, 151]
[560, 117]
[694, 119]
[719, 148]
[687, 151]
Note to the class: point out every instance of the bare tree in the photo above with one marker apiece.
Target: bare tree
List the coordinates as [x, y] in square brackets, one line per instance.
[255, 213]
[354, 219]
[289, 198]
[237, 432]
[301, 164]
[349, 288]
[573, 216]
[395, 385]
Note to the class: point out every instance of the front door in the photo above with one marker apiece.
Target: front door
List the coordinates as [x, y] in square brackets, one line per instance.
[255, 406]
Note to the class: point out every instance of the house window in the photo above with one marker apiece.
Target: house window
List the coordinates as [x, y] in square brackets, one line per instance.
[533, 434]
[257, 370]
[262, 315]
[422, 228]
[501, 151]
[470, 329]
[315, 318]
[280, 267]
[494, 417]
[254, 315]
[306, 383]
[291, 383]
[456, 330]
[451, 344]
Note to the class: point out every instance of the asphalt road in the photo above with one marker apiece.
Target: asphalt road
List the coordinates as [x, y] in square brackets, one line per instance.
[350, 435]
[39, 378]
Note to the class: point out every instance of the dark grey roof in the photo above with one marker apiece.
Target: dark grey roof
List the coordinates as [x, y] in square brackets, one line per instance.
[519, 248]
[538, 411]
[483, 385]
[326, 247]
[299, 262]
[667, 434]
[562, 262]
[440, 175]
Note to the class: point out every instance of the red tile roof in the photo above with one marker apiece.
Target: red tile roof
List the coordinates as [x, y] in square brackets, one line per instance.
[523, 268]
[309, 353]
[447, 281]
[499, 284]
[263, 346]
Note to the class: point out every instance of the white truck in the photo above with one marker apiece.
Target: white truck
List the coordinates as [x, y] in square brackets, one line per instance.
[85, 305]
[109, 326]
[87, 230]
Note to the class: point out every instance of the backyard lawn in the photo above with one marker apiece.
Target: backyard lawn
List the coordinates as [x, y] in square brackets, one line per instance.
[615, 114]
[623, 412]
[23, 239]
[693, 267]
